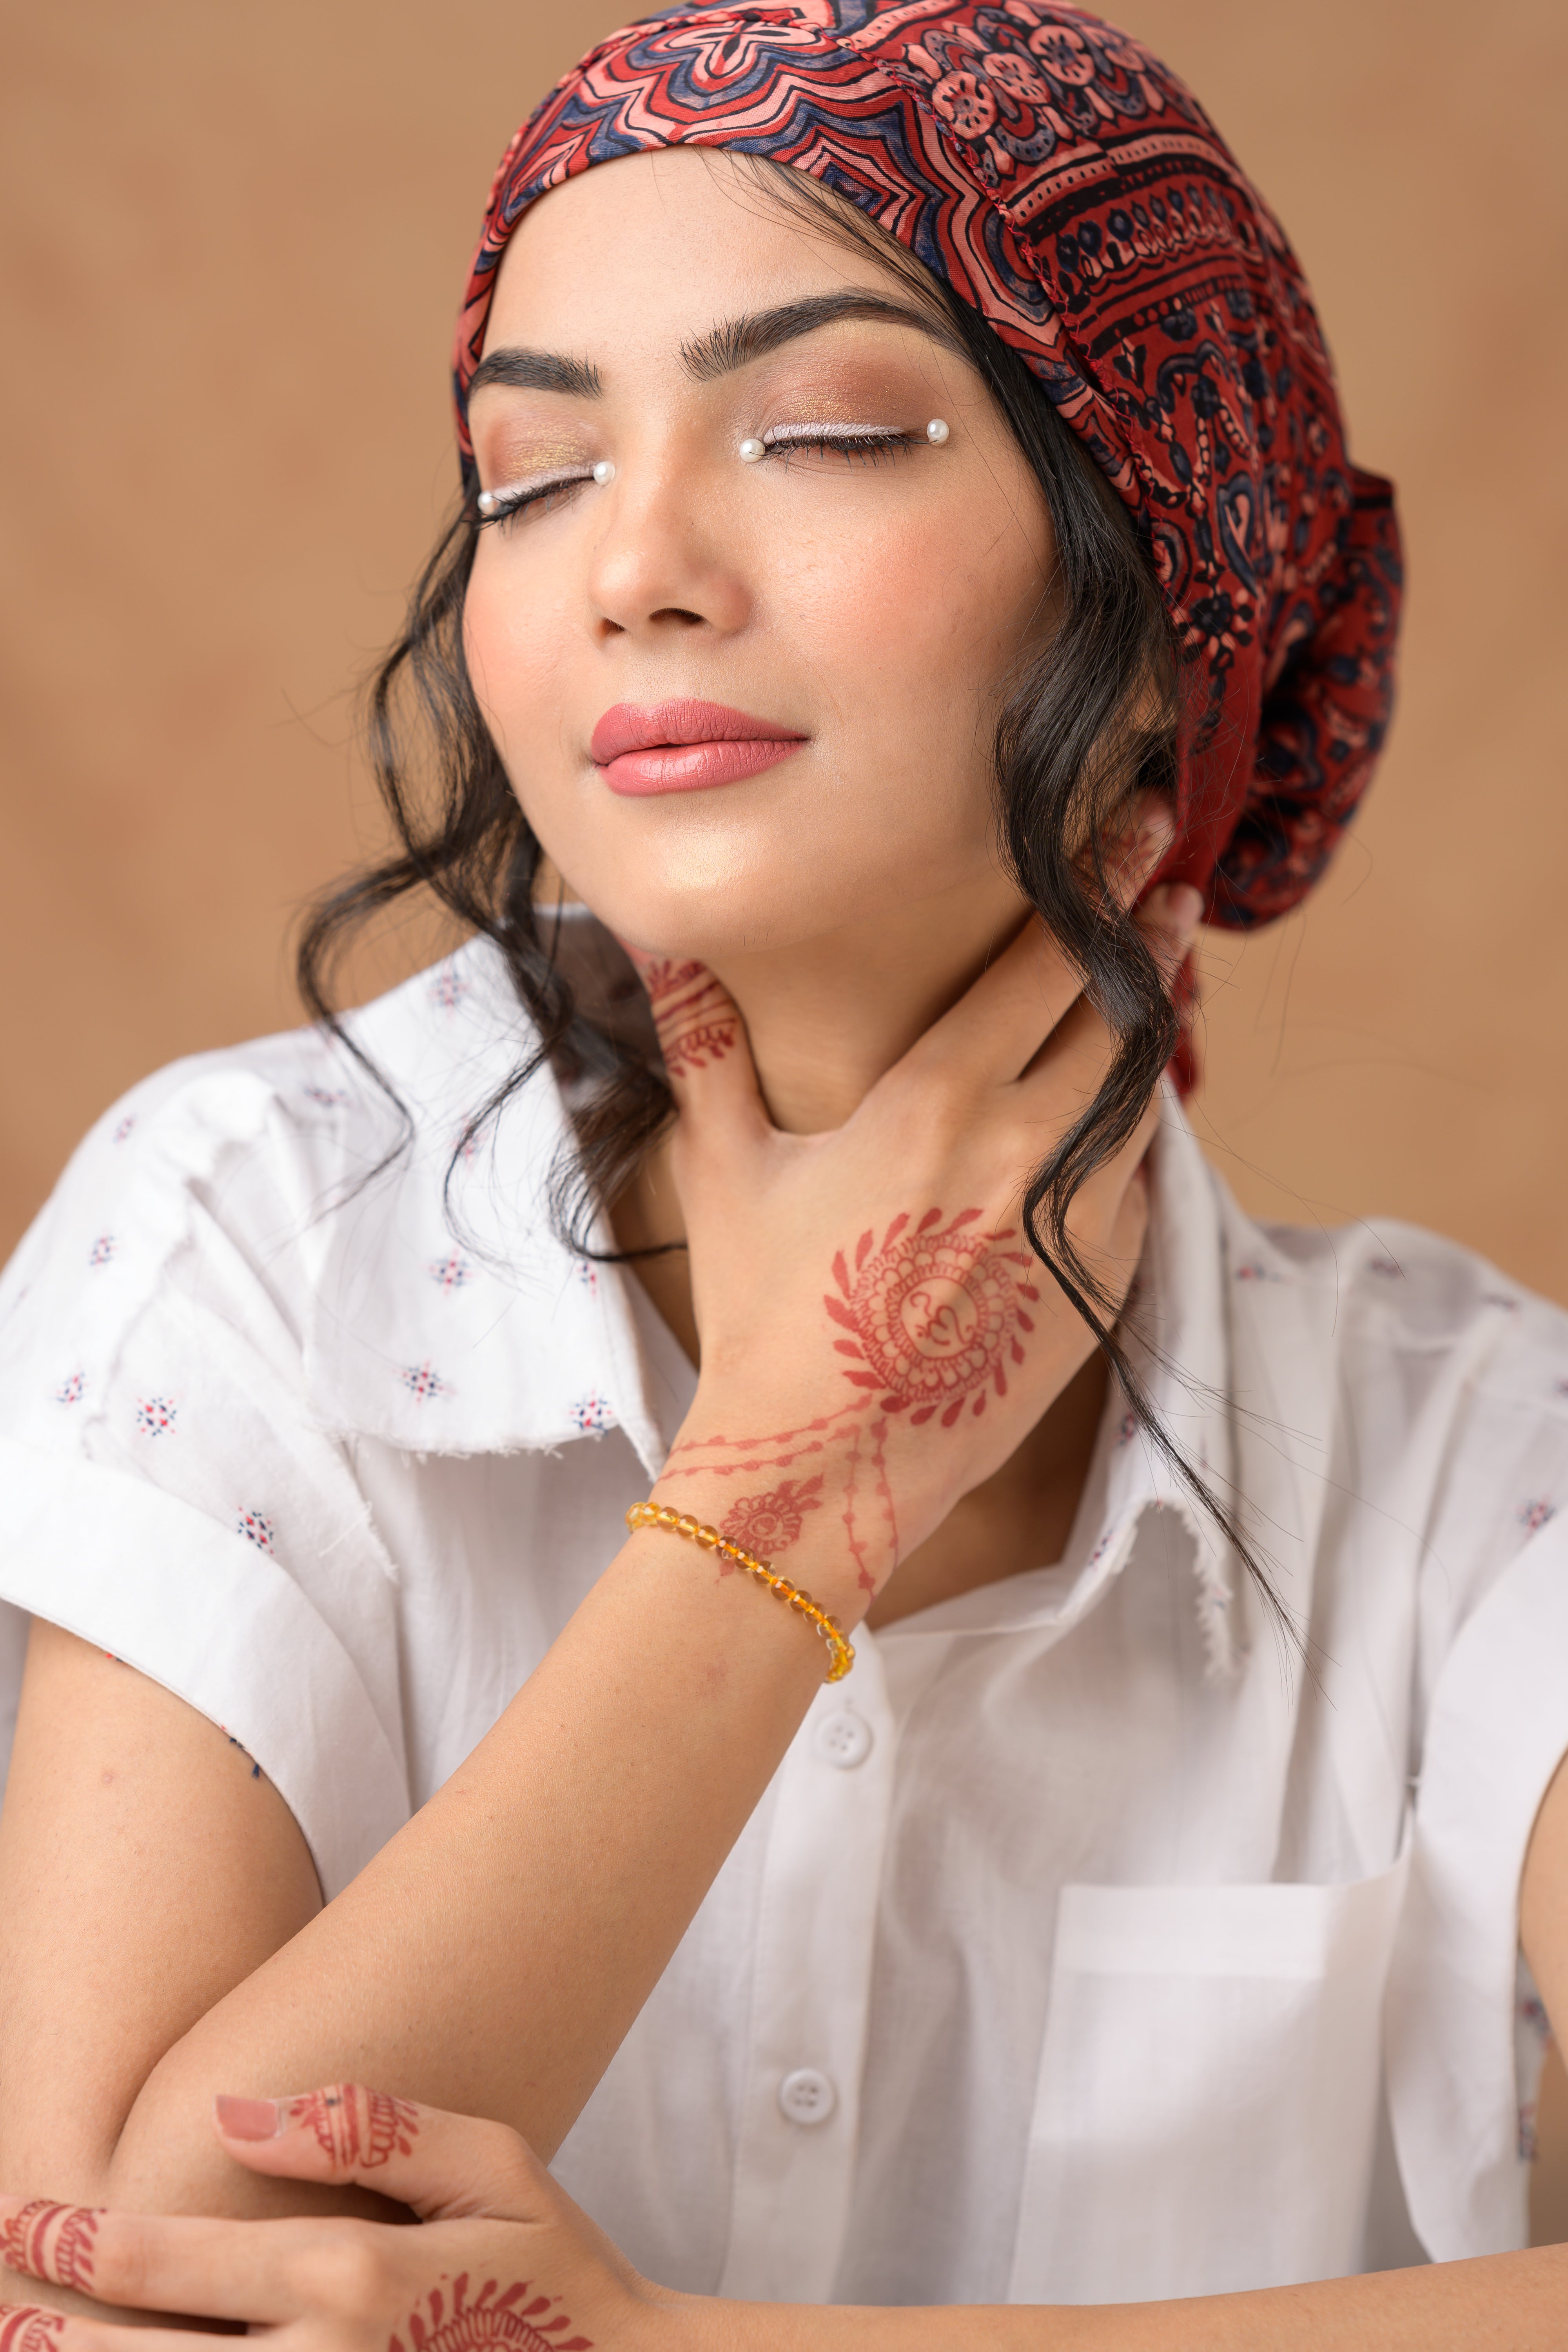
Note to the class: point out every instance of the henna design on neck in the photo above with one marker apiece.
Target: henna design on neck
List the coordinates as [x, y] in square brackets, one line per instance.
[490, 2322]
[51, 2242]
[935, 1315]
[769, 1523]
[357, 2129]
[27, 2328]
[695, 1018]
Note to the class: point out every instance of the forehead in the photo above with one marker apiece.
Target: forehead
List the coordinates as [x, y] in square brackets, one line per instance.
[648, 251]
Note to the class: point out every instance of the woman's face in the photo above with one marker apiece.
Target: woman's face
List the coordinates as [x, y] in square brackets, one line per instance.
[847, 605]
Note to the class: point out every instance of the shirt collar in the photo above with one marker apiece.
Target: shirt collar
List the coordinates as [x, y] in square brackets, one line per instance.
[449, 1318]
[1177, 1330]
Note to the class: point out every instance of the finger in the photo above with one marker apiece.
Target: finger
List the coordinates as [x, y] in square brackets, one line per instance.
[997, 1026]
[1168, 920]
[143, 2261]
[27, 2328]
[1080, 1047]
[707, 1054]
[445, 2167]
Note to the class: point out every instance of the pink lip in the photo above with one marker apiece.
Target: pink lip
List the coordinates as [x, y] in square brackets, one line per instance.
[685, 747]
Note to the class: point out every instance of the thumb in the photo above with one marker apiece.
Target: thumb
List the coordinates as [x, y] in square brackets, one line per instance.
[707, 1054]
[445, 2167]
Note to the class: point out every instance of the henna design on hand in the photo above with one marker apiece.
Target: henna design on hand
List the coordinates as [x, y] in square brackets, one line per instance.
[695, 1018]
[490, 2323]
[44, 2241]
[27, 2328]
[935, 1314]
[769, 1524]
[356, 2128]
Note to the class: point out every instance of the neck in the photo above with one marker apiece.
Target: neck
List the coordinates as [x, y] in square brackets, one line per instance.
[827, 1017]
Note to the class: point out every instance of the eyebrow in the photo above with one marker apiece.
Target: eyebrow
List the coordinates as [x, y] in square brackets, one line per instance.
[734, 344]
[521, 370]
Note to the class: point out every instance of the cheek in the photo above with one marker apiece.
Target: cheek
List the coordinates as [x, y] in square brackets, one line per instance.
[909, 630]
[512, 644]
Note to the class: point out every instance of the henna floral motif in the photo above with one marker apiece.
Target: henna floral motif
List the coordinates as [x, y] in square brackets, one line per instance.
[491, 2322]
[695, 1019]
[51, 2242]
[26, 2327]
[356, 2128]
[769, 1524]
[936, 1312]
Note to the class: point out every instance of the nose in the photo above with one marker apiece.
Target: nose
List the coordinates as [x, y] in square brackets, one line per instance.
[666, 561]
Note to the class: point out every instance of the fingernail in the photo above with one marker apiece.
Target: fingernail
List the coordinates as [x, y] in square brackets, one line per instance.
[248, 2118]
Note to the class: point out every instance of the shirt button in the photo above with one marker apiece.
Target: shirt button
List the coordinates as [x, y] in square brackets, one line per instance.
[844, 1739]
[807, 2096]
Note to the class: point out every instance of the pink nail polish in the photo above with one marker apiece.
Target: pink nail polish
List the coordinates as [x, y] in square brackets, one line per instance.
[248, 2118]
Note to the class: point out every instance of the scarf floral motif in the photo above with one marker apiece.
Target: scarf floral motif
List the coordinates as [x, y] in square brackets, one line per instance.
[1064, 182]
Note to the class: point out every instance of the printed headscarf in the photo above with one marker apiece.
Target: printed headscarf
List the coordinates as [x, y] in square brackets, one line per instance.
[1064, 184]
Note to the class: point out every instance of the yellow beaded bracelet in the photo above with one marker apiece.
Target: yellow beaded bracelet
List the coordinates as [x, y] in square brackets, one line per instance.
[654, 1515]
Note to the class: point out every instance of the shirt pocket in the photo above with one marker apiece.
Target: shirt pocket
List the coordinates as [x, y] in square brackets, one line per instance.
[1206, 2113]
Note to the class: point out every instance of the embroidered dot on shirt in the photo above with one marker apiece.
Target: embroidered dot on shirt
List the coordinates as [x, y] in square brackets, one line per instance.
[70, 1390]
[451, 1273]
[1535, 1515]
[257, 1528]
[155, 1415]
[124, 1128]
[591, 1414]
[1389, 1268]
[101, 1251]
[1126, 1428]
[447, 987]
[422, 1380]
[1253, 1271]
[588, 1275]
[330, 1097]
[1503, 1299]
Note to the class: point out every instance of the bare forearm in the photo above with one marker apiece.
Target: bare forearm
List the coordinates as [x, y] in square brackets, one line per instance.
[1514, 2303]
[492, 1958]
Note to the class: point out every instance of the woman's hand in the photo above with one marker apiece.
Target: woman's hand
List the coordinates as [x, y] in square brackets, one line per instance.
[876, 1336]
[504, 2262]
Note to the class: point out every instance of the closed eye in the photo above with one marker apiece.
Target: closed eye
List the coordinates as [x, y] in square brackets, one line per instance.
[868, 442]
[506, 504]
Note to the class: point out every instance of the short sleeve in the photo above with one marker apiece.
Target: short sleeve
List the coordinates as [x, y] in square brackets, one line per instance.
[165, 1492]
[1492, 1710]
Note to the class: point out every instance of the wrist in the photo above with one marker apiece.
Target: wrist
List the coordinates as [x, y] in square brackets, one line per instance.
[789, 1516]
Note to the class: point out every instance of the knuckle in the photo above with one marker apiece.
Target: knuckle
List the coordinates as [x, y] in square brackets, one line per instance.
[343, 2271]
[121, 2263]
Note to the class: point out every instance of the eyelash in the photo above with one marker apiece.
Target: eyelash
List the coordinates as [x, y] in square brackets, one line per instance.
[870, 443]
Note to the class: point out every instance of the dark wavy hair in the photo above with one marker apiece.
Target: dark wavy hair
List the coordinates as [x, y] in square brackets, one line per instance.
[1087, 722]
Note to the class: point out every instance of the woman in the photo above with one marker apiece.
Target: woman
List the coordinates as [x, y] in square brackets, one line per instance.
[904, 499]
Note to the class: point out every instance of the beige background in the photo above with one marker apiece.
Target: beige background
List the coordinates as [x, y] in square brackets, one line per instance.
[233, 240]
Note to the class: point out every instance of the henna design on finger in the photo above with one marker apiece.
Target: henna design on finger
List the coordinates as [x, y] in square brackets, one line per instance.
[357, 2129]
[27, 2328]
[769, 1524]
[935, 1315]
[44, 2241]
[694, 1016]
[492, 2322]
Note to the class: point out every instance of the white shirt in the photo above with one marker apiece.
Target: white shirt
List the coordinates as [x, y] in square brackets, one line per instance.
[1085, 1947]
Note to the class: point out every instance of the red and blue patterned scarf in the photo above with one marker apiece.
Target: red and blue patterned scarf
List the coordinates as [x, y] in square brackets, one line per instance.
[1063, 181]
